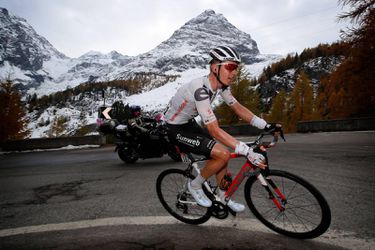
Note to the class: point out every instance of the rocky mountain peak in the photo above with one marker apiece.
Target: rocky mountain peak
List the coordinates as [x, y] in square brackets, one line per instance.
[46, 70]
[21, 46]
[189, 46]
[209, 30]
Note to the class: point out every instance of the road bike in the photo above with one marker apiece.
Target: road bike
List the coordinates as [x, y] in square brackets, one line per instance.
[282, 201]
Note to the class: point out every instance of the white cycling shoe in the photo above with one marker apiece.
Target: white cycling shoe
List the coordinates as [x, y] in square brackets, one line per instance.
[235, 206]
[199, 196]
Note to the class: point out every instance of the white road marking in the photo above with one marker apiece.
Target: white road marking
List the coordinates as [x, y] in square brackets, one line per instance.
[342, 239]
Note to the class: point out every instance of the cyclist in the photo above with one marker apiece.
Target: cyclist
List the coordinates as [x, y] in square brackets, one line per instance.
[194, 99]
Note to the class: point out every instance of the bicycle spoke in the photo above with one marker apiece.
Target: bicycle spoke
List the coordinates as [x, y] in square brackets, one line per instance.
[173, 194]
[301, 218]
[303, 214]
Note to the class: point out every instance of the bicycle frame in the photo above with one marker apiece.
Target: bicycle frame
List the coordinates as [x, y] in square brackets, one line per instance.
[245, 172]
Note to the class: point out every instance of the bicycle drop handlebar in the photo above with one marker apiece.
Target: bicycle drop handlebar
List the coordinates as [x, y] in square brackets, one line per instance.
[258, 140]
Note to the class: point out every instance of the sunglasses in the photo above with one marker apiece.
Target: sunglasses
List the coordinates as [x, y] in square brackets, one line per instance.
[229, 66]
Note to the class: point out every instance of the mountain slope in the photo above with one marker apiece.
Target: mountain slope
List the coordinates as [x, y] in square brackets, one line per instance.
[188, 47]
[21, 46]
[41, 69]
[161, 71]
[316, 63]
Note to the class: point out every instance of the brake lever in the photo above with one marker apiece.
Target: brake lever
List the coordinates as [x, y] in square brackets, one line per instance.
[282, 135]
[280, 130]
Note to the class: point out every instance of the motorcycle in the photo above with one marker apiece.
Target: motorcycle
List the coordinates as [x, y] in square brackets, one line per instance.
[139, 136]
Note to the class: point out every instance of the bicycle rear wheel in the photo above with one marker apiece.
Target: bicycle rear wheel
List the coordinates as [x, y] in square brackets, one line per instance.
[306, 213]
[171, 187]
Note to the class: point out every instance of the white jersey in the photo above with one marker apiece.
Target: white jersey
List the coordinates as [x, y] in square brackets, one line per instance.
[195, 98]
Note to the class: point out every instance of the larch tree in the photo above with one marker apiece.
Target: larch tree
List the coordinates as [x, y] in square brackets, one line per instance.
[278, 112]
[350, 89]
[13, 120]
[301, 102]
[244, 92]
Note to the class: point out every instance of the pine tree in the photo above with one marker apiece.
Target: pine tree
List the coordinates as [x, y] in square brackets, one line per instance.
[301, 102]
[244, 92]
[83, 129]
[58, 127]
[307, 98]
[13, 120]
[295, 107]
[278, 112]
[350, 89]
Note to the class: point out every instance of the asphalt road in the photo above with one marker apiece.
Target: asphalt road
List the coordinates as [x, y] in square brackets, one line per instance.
[89, 199]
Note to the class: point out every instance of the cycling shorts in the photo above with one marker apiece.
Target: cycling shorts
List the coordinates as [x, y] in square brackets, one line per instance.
[191, 138]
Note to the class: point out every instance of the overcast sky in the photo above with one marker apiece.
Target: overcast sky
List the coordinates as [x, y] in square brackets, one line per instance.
[131, 27]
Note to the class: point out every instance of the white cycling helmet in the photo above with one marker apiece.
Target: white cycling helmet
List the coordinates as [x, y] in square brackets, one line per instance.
[224, 53]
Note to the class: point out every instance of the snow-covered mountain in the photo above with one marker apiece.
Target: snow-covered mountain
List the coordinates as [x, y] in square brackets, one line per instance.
[32, 61]
[21, 46]
[184, 56]
[23, 52]
[315, 69]
[188, 47]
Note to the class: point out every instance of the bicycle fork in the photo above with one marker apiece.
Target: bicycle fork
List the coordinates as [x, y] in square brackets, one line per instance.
[280, 206]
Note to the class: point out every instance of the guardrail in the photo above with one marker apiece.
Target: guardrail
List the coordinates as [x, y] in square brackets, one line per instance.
[47, 143]
[352, 124]
[236, 130]
[240, 129]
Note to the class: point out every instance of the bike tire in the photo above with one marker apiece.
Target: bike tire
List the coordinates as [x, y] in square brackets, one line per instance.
[127, 155]
[307, 214]
[172, 192]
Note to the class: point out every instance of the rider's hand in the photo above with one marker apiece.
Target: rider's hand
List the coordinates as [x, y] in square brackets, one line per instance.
[273, 128]
[255, 158]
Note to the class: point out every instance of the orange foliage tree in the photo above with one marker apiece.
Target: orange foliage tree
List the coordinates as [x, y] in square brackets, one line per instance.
[350, 90]
[13, 121]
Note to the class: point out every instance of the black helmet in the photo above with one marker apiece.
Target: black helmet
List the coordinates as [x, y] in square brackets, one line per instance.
[224, 53]
[135, 110]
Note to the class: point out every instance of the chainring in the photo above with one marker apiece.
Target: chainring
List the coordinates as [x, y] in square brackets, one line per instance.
[219, 210]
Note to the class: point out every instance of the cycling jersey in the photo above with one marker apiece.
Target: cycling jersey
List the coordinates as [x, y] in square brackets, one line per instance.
[194, 99]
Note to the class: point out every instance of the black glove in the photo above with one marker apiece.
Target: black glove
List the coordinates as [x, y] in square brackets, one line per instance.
[273, 128]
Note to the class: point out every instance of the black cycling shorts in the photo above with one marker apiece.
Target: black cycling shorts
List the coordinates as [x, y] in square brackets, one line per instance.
[191, 138]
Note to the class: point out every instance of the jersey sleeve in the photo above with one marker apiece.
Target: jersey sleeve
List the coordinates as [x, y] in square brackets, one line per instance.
[202, 102]
[228, 97]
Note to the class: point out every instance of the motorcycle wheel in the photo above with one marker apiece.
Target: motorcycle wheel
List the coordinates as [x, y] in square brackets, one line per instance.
[127, 155]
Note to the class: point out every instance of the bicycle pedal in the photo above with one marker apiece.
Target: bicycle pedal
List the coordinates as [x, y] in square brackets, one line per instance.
[232, 212]
[219, 210]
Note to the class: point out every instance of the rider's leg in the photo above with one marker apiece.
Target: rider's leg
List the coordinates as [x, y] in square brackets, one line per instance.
[235, 206]
[216, 165]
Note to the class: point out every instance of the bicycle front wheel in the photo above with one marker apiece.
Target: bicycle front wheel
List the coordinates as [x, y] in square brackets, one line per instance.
[171, 187]
[304, 212]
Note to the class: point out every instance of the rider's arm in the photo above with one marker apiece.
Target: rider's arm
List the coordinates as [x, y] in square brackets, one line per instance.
[244, 113]
[241, 111]
[220, 135]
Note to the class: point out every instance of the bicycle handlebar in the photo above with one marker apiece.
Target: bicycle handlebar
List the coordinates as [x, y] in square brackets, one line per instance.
[271, 144]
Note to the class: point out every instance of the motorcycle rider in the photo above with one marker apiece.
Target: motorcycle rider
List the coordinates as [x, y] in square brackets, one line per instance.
[139, 123]
[194, 99]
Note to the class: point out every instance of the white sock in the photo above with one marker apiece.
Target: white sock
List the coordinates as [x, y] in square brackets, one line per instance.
[221, 194]
[197, 182]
